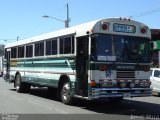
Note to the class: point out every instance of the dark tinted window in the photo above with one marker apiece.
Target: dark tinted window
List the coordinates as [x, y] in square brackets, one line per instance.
[29, 51]
[54, 47]
[61, 46]
[67, 45]
[21, 52]
[51, 47]
[14, 52]
[156, 73]
[39, 49]
[120, 48]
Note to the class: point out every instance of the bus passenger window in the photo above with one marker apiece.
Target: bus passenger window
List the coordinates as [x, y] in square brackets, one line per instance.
[48, 47]
[39, 49]
[54, 47]
[14, 52]
[72, 45]
[29, 51]
[21, 52]
[51, 47]
[67, 45]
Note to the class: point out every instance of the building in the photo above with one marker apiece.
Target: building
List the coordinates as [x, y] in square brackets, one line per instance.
[155, 47]
[1, 50]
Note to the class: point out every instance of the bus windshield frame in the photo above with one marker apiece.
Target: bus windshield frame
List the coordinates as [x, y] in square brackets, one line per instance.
[120, 48]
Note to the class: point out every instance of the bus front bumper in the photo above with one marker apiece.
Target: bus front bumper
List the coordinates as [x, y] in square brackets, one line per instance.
[98, 93]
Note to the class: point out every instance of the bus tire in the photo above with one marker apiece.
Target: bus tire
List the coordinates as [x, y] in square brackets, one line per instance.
[20, 86]
[65, 93]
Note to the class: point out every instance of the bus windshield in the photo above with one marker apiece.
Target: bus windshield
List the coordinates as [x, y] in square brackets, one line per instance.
[120, 48]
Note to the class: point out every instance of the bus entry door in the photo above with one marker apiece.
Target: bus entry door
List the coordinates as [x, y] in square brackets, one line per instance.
[8, 54]
[81, 66]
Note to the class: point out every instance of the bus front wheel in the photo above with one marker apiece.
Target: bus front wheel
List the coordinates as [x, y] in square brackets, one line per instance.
[66, 93]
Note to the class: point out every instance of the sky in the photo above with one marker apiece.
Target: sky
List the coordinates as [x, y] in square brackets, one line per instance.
[23, 18]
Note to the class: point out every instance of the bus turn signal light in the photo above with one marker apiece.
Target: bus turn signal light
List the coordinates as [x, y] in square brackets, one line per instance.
[143, 30]
[93, 83]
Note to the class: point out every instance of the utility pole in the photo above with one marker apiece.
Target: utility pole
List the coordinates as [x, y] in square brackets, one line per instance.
[17, 38]
[67, 20]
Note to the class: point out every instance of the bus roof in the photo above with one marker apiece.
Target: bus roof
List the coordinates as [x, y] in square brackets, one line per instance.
[78, 30]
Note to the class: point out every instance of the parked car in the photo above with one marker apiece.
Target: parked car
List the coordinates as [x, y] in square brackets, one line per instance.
[155, 80]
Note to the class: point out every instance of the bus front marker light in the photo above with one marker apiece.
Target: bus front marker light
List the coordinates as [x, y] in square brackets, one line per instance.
[122, 85]
[87, 32]
[104, 26]
[143, 30]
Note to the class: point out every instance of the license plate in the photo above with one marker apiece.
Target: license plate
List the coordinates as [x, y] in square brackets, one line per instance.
[126, 95]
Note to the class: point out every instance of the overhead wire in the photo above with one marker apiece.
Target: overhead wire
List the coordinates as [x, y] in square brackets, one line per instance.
[132, 16]
[145, 13]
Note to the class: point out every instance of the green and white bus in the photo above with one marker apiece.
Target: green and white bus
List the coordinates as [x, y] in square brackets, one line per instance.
[98, 60]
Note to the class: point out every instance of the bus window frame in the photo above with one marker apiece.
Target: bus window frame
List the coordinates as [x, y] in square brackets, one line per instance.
[73, 48]
[12, 58]
[52, 39]
[23, 52]
[31, 44]
[39, 42]
[73, 45]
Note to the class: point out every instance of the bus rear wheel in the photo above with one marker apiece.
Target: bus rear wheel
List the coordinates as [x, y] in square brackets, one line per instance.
[20, 86]
[65, 93]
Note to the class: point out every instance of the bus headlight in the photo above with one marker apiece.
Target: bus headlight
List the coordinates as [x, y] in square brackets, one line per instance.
[122, 85]
[144, 84]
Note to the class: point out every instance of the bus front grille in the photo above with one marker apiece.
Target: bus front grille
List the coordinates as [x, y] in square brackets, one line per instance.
[125, 74]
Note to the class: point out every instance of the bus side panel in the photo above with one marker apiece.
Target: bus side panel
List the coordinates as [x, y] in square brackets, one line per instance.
[45, 72]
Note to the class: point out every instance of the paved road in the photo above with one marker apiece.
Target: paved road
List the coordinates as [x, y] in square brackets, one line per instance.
[42, 104]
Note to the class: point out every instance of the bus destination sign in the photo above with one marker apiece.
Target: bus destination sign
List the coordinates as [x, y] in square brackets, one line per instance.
[124, 28]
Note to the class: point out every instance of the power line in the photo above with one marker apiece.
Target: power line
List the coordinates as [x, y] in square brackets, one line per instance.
[145, 13]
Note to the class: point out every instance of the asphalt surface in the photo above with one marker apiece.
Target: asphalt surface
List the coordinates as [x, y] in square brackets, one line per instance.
[40, 104]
